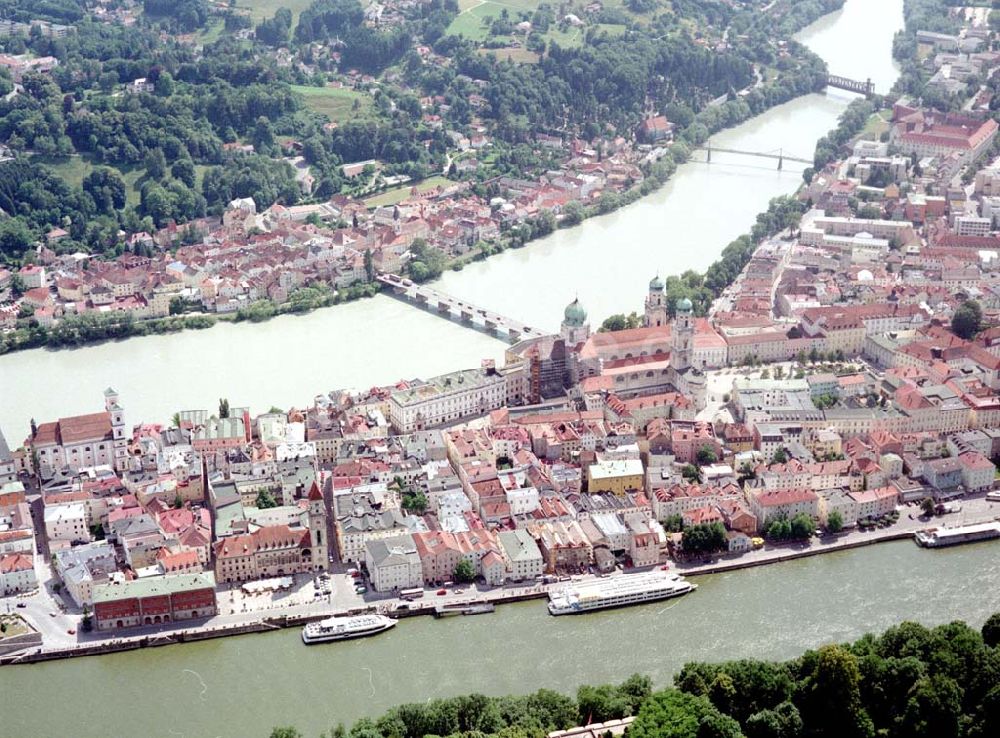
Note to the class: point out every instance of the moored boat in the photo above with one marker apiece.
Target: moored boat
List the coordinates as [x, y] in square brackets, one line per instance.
[941, 537]
[629, 589]
[341, 628]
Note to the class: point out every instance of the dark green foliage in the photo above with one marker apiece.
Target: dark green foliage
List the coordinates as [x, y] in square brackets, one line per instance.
[991, 630]
[968, 318]
[704, 538]
[265, 180]
[801, 526]
[675, 714]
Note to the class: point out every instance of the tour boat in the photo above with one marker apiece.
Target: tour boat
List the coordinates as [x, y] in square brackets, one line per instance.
[629, 589]
[343, 627]
[940, 537]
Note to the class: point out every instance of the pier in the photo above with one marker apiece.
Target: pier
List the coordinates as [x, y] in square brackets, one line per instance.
[453, 308]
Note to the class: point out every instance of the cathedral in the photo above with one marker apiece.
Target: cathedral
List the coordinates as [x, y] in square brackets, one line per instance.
[664, 355]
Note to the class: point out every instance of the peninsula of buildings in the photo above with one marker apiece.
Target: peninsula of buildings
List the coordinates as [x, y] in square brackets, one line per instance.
[847, 381]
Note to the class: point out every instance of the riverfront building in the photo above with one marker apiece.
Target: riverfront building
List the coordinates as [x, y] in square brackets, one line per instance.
[127, 604]
[446, 399]
[82, 440]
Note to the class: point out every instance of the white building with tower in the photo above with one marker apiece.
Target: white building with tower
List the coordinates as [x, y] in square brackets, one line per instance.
[81, 441]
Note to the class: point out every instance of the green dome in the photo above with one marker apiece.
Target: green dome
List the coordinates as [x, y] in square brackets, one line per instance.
[656, 284]
[684, 305]
[575, 314]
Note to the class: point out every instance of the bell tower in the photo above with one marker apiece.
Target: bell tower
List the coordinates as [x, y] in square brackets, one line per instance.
[682, 336]
[317, 528]
[656, 303]
[119, 442]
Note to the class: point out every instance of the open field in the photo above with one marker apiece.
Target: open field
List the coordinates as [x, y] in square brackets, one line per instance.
[260, 9]
[391, 197]
[74, 168]
[878, 123]
[472, 23]
[336, 103]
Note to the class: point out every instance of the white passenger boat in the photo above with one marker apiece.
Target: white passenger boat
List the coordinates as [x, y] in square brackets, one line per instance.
[629, 589]
[344, 627]
[940, 537]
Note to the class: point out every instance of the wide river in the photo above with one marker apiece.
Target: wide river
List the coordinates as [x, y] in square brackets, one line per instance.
[607, 262]
[240, 687]
[243, 686]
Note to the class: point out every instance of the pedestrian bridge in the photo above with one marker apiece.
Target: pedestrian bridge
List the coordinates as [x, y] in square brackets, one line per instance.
[453, 308]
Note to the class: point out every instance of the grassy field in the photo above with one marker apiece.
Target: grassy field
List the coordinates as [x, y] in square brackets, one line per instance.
[74, 168]
[260, 9]
[391, 197]
[878, 123]
[470, 24]
[336, 103]
[514, 54]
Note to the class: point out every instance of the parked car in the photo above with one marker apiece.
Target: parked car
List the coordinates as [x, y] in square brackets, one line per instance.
[442, 592]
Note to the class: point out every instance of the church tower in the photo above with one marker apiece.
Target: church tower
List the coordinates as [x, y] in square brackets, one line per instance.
[682, 336]
[656, 303]
[317, 529]
[119, 442]
[575, 329]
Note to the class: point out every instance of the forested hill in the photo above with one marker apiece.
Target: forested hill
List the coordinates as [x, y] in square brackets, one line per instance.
[162, 111]
[908, 682]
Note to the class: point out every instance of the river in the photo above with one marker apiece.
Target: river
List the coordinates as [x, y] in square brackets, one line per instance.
[240, 687]
[607, 262]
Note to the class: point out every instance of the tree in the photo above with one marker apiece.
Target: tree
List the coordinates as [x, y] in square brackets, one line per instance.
[223, 407]
[156, 164]
[835, 522]
[991, 630]
[465, 571]
[934, 708]
[831, 695]
[803, 526]
[691, 472]
[674, 523]
[780, 456]
[265, 500]
[414, 502]
[927, 506]
[286, 732]
[704, 538]
[675, 714]
[966, 321]
[706, 455]
[178, 501]
[369, 265]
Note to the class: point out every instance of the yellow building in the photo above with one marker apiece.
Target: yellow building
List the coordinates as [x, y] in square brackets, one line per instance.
[617, 476]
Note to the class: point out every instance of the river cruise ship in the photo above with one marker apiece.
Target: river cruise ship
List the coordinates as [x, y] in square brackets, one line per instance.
[342, 628]
[630, 589]
[940, 537]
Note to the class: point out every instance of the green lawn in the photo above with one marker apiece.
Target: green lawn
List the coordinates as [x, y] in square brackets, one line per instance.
[336, 103]
[391, 197]
[519, 54]
[876, 125]
[260, 9]
[74, 168]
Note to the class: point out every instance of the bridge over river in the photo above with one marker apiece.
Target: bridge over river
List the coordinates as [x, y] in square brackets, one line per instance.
[451, 307]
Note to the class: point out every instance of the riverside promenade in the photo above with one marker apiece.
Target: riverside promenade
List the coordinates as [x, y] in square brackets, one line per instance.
[241, 615]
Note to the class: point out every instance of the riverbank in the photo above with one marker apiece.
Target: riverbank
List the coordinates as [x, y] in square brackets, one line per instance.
[94, 327]
[976, 510]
